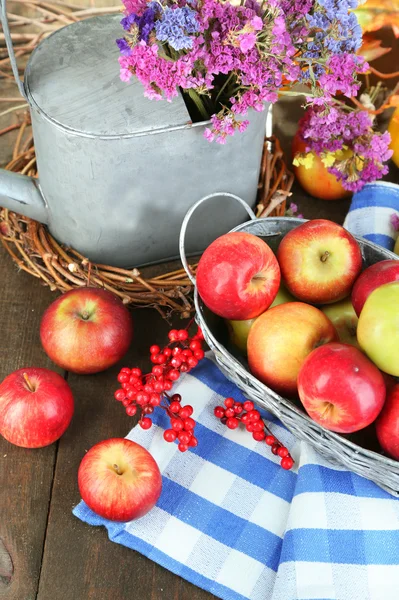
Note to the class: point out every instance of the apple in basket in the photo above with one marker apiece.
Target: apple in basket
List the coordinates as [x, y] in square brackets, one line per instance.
[378, 274]
[341, 388]
[387, 424]
[36, 407]
[239, 330]
[86, 330]
[319, 261]
[119, 480]
[378, 328]
[342, 315]
[280, 340]
[238, 276]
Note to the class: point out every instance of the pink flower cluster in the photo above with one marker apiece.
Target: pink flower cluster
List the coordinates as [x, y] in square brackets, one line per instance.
[360, 152]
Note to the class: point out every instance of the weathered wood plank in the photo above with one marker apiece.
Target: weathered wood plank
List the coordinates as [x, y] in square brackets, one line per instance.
[25, 475]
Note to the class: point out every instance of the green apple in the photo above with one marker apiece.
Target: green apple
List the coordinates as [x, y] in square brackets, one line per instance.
[282, 297]
[342, 315]
[238, 333]
[239, 330]
[378, 328]
[396, 249]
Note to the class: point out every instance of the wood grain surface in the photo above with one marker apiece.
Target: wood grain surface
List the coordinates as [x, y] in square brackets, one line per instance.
[45, 552]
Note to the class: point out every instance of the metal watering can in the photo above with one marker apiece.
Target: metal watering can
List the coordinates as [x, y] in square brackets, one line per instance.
[118, 172]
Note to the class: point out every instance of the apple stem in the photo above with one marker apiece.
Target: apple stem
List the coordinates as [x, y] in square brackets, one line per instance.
[324, 256]
[29, 383]
[258, 278]
[117, 470]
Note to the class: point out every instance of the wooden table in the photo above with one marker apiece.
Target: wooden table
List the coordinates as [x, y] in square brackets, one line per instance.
[54, 555]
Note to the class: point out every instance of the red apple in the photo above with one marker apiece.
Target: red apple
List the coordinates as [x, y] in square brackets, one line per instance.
[119, 480]
[382, 272]
[340, 388]
[316, 180]
[238, 276]
[36, 407]
[86, 330]
[387, 424]
[319, 261]
[280, 340]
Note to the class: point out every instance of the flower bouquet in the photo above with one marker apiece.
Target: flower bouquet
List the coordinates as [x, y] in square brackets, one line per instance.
[227, 58]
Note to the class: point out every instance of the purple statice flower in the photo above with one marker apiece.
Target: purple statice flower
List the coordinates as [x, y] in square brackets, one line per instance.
[175, 27]
[394, 220]
[144, 23]
[124, 47]
[247, 41]
[135, 6]
[363, 151]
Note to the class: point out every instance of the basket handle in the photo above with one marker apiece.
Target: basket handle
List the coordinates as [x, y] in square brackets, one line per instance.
[10, 47]
[187, 218]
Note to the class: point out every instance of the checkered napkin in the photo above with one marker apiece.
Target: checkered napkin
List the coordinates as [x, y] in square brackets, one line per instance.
[370, 214]
[233, 522]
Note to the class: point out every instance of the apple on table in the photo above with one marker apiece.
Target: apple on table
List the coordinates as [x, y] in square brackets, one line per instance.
[319, 261]
[280, 340]
[36, 407]
[86, 330]
[340, 388]
[238, 276]
[119, 480]
[315, 178]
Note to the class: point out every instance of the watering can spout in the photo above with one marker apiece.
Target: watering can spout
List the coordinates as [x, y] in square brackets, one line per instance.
[22, 195]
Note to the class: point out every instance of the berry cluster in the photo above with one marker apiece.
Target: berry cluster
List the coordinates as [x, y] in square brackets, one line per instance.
[232, 413]
[144, 392]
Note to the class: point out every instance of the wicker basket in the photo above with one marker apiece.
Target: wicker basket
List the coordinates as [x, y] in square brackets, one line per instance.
[367, 463]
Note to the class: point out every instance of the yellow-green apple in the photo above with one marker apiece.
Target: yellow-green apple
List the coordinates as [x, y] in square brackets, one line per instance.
[86, 330]
[314, 177]
[119, 480]
[36, 407]
[396, 248]
[387, 424]
[340, 388]
[280, 340]
[239, 330]
[238, 276]
[381, 272]
[342, 315]
[378, 328]
[319, 261]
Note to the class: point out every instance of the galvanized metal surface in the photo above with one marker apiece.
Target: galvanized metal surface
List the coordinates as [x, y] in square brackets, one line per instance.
[382, 470]
[117, 171]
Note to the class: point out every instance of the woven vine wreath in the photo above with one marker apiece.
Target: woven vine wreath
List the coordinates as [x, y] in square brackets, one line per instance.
[35, 251]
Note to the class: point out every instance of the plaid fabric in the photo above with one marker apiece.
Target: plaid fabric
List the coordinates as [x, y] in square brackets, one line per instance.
[370, 213]
[231, 521]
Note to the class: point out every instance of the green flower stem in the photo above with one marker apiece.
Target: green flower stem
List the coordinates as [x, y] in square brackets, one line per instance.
[198, 103]
[226, 83]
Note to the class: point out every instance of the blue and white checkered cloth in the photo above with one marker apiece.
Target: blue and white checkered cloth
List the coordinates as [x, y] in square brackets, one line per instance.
[370, 214]
[233, 522]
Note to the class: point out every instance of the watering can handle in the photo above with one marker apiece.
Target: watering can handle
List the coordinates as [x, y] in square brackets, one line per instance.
[10, 48]
[187, 218]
